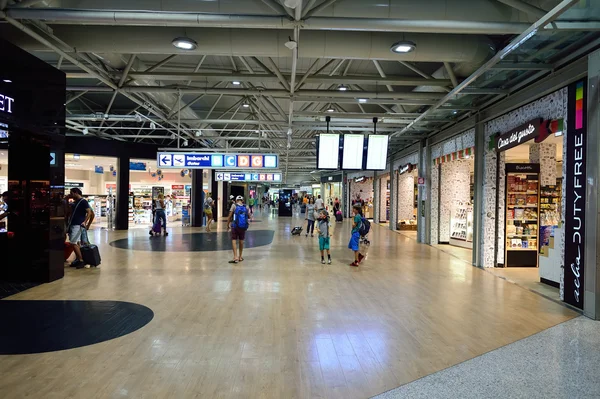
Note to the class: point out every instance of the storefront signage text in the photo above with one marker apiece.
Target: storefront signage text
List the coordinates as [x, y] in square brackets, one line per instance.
[6, 103]
[178, 160]
[406, 168]
[520, 135]
[359, 179]
[575, 199]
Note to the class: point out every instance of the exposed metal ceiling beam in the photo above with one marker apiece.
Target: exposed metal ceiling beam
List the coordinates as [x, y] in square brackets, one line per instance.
[450, 71]
[522, 66]
[184, 19]
[535, 12]
[334, 94]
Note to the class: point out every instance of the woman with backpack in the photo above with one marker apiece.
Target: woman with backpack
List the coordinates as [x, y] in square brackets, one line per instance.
[238, 221]
[360, 228]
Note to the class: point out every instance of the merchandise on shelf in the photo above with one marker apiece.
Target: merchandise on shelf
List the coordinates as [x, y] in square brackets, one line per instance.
[522, 219]
[461, 223]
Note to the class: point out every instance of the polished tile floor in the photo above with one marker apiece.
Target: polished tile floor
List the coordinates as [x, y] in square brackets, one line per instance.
[280, 324]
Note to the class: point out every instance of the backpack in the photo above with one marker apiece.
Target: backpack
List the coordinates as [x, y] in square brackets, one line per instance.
[365, 227]
[241, 217]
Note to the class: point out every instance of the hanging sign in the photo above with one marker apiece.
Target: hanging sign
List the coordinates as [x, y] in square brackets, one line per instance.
[243, 177]
[99, 169]
[519, 135]
[70, 185]
[406, 168]
[6, 104]
[196, 160]
[575, 182]
[360, 179]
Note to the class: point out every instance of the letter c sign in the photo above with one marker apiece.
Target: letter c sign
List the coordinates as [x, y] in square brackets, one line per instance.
[230, 160]
[257, 161]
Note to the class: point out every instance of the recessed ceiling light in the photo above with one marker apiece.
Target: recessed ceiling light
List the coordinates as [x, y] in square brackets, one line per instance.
[236, 83]
[343, 88]
[7, 80]
[184, 43]
[362, 100]
[455, 112]
[403, 47]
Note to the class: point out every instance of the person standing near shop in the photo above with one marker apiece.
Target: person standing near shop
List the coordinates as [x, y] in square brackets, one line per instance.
[319, 203]
[160, 218]
[209, 203]
[251, 204]
[238, 221]
[81, 218]
[355, 237]
[323, 229]
[310, 217]
[4, 206]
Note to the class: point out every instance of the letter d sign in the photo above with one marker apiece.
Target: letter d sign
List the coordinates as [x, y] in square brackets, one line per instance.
[243, 161]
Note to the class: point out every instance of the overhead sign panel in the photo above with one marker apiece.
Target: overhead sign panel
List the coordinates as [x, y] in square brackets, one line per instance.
[196, 160]
[247, 177]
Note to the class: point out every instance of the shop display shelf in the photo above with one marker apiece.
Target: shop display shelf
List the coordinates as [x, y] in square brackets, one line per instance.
[521, 249]
[522, 220]
[532, 192]
[522, 206]
[521, 235]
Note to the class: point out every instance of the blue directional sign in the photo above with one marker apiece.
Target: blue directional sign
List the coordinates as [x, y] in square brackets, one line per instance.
[196, 160]
[247, 177]
[52, 158]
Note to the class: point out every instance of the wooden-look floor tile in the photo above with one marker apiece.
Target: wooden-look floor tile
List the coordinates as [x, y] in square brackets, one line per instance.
[280, 324]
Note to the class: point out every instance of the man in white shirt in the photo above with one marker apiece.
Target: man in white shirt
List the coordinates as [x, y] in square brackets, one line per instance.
[319, 204]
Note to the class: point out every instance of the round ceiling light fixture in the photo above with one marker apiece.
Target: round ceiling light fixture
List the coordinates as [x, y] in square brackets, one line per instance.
[246, 105]
[184, 43]
[343, 88]
[7, 80]
[236, 83]
[331, 110]
[403, 47]
[362, 100]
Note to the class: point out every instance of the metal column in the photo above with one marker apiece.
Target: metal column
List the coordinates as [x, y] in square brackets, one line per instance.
[197, 198]
[478, 200]
[122, 211]
[591, 304]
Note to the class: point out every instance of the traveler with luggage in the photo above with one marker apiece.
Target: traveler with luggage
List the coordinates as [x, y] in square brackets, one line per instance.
[80, 219]
[160, 217]
[360, 227]
[238, 221]
[337, 211]
[209, 203]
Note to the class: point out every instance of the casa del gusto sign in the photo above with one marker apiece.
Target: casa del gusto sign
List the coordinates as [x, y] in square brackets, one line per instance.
[519, 135]
[6, 103]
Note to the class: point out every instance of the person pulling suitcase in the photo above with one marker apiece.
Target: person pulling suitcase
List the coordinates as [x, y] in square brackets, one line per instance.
[80, 220]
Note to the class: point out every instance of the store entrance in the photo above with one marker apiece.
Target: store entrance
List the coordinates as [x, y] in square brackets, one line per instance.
[406, 204]
[530, 214]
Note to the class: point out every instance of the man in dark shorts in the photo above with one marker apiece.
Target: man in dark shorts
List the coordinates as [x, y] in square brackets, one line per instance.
[238, 220]
[81, 218]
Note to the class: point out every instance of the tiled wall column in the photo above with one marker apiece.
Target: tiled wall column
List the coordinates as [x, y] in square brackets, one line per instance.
[406, 196]
[455, 188]
[545, 155]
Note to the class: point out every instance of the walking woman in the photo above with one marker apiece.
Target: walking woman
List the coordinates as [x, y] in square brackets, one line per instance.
[160, 217]
[310, 217]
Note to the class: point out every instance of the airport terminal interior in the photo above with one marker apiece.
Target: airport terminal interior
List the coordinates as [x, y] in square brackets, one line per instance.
[299, 199]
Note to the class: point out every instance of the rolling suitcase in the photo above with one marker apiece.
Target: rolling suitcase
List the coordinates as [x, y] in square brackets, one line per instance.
[339, 217]
[91, 255]
[89, 252]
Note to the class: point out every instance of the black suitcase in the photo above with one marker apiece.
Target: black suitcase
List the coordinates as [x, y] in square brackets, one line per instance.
[91, 255]
[296, 231]
[339, 217]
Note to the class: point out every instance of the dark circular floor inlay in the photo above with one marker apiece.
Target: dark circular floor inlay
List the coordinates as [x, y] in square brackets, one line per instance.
[194, 242]
[49, 326]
